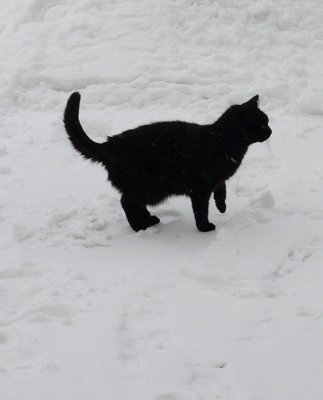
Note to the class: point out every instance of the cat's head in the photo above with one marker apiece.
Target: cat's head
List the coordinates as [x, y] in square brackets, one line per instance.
[255, 121]
[246, 122]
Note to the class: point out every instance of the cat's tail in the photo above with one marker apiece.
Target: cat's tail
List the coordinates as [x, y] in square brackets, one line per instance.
[79, 139]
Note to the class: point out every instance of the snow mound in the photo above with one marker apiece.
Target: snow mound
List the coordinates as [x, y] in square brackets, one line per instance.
[265, 200]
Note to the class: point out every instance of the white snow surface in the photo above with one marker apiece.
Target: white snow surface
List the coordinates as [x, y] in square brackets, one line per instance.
[90, 309]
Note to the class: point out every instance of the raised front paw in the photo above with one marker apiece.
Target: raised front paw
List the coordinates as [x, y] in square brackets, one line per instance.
[207, 227]
[221, 206]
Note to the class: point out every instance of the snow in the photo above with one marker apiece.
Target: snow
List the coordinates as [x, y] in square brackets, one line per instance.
[90, 309]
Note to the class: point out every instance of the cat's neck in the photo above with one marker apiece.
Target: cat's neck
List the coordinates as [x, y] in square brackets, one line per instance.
[230, 137]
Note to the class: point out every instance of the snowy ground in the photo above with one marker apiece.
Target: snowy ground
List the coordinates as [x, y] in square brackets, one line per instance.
[91, 310]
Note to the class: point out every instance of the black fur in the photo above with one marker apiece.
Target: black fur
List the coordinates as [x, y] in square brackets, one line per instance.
[152, 162]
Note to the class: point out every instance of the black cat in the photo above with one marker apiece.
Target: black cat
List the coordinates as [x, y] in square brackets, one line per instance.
[152, 162]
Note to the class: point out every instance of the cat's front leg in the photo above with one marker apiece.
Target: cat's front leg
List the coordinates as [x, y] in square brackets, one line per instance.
[219, 197]
[200, 204]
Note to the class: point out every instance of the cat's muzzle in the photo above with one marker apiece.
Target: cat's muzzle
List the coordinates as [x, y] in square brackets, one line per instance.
[265, 134]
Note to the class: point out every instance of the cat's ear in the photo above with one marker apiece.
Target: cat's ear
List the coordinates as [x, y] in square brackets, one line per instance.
[253, 102]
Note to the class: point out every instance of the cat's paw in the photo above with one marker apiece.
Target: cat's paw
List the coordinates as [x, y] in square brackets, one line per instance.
[147, 223]
[153, 221]
[221, 206]
[206, 227]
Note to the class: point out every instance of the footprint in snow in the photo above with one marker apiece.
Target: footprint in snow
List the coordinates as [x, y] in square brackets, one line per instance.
[306, 313]
[3, 338]
[209, 381]
[22, 232]
[299, 254]
[43, 314]
[170, 396]
[143, 328]
[5, 170]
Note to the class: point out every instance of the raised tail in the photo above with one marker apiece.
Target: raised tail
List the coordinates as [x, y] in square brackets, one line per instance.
[79, 139]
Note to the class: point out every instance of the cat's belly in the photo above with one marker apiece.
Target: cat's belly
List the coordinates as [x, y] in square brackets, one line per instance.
[159, 193]
[150, 188]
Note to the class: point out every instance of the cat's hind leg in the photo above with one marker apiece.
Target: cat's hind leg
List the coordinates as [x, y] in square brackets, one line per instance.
[137, 214]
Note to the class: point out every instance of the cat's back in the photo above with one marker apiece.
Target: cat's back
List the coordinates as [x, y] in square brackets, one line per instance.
[157, 138]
